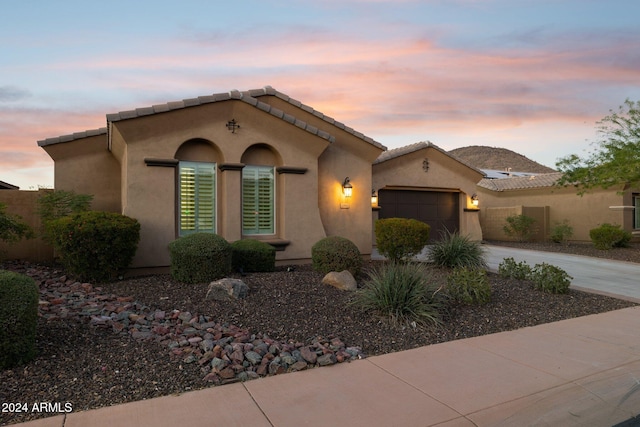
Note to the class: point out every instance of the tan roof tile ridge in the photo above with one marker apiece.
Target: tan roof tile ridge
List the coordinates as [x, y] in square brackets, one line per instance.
[72, 136]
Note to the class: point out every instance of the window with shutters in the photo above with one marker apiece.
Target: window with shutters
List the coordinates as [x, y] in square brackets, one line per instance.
[197, 198]
[258, 200]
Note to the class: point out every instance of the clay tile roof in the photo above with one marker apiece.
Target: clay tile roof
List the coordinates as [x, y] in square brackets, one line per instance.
[72, 137]
[543, 180]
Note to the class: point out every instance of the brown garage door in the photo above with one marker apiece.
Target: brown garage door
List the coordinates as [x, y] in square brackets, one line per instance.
[436, 208]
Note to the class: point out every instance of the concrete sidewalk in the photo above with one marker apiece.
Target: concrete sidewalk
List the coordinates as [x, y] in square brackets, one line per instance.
[577, 372]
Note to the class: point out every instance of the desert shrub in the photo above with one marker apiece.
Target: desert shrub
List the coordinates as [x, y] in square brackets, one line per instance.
[609, 236]
[561, 232]
[200, 257]
[401, 238]
[403, 292]
[95, 245]
[514, 270]
[18, 318]
[520, 227]
[249, 255]
[12, 228]
[57, 204]
[469, 286]
[551, 279]
[454, 250]
[335, 253]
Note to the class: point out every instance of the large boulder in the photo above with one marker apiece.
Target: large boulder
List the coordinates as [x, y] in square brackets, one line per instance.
[227, 290]
[343, 280]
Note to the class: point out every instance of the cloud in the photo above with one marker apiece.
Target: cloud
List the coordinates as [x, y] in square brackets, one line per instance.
[13, 94]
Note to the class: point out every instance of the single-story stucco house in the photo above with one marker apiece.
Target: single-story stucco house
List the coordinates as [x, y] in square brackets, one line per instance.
[254, 164]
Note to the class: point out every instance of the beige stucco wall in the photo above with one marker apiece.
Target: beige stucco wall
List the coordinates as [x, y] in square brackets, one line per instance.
[444, 173]
[24, 204]
[583, 212]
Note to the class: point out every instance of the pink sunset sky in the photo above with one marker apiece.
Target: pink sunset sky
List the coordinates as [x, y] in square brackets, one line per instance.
[533, 76]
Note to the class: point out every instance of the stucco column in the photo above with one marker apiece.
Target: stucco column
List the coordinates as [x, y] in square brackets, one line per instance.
[230, 201]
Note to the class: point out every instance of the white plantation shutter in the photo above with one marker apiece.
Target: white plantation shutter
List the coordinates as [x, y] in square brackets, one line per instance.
[197, 197]
[258, 204]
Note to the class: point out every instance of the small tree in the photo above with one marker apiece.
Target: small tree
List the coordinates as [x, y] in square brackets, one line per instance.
[615, 160]
[12, 228]
[521, 227]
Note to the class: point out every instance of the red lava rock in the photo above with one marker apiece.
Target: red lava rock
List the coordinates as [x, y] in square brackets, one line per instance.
[309, 355]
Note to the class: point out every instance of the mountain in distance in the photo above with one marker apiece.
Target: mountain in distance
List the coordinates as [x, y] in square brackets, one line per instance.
[483, 157]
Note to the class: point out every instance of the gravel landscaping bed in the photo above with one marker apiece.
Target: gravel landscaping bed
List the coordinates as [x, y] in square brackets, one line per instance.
[145, 337]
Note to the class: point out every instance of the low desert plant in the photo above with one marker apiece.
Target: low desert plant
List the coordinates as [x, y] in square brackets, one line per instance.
[561, 232]
[18, 318]
[454, 250]
[551, 279]
[12, 228]
[514, 270]
[401, 238]
[335, 253]
[520, 227]
[469, 286]
[95, 245]
[200, 257]
[608, 236]
[402, 292]
[249, 255]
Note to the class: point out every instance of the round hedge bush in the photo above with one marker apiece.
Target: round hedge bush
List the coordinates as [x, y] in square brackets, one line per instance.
[249, 255]
[335, 253]
[200, 257]
[18, 318]
[401, 238]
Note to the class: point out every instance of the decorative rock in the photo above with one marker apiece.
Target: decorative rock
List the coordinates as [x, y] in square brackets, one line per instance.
[253, 357]
[309, 355]
[227, 290]
[298, 366]
[327, 359]
[343, 280]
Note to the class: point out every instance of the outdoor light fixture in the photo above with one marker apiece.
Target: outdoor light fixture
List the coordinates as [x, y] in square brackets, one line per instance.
[232, 125]
[347, 188]
[374, 198]
[474, 199]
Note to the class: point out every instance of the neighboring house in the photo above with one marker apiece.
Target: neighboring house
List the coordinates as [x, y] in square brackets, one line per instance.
[254, 164]
[539, 197]
[424, 182]
[7, 186]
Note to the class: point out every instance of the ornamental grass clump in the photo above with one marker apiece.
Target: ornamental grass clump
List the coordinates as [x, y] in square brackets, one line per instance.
[456, 251]
[200, 257]
[402, 292]
[18, 318]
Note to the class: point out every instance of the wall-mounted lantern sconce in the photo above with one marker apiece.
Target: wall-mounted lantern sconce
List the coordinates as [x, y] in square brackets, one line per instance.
[374, 198]
[347, 188]
[474, 200]
[232, 125]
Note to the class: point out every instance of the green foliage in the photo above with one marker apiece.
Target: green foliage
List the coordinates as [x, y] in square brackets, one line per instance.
[12, 228]
[561, 232]
[514, 270]
[469, 286]
[454, 250]
[95, 245]
[609, 236]
[403, 292]
[551, 279]
[200, 257]
[57, 204]
[335, 253]
[18, 318]
[401, 238]
[520, 227]
[615, 158]
[249, 255]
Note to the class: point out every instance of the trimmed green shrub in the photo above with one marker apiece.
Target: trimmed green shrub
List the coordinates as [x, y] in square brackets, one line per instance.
[200, 257]
[561, 232]
[514, 270]
[401, 238]
[551, 279]
[95, 246]
[520, 227]
[249, 255]
[454, 250]
[469, 286]
[402, 292]
[335, 253]
[18, 318]
[609, 236]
